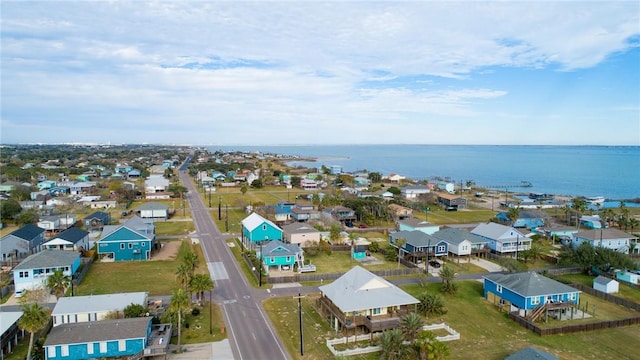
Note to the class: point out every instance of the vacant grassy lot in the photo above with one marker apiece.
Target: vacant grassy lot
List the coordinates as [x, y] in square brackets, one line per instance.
[485, 332]
[626, 291]
[172, 228]
[438, 216]
[156, 277]
[341, 262]
[199, 330]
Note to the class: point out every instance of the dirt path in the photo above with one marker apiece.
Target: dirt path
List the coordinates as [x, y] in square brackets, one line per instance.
[168, 251]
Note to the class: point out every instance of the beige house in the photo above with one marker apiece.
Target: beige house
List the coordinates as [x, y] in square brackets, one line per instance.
[301, 234]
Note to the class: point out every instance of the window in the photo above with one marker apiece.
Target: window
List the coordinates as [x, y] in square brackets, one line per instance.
[535, 300]
[103, 346]
[66, 268]
[64, 350]
[122, 246]
[442, 248]
[499, 288]
[143, 244]
[264, 227]
[51, 351]
[122, 345]
[89, 349]
[288, 258]
[376, 311]
[572, 296]
[130, 246]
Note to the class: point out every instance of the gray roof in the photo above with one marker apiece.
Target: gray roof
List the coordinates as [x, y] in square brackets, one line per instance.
[454, 236]
[7, 319]
[48, 259]
[28, 232]
[415, 222]
[602, 280]
[98, 215]
[496, 231]
[299, 228]
[529, 284]
[72, 235]
[607, 234]
[416, 238]
[359, 289]
[278, 248]
[135, 224]
[530, 353]
[153, 206]
[98, 303]
[104, 330]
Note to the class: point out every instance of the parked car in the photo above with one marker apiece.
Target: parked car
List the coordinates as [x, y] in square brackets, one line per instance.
[362, 226]
[434, 264]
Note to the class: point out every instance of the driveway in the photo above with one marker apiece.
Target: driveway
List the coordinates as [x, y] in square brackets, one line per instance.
[487, 265]
[221, 349]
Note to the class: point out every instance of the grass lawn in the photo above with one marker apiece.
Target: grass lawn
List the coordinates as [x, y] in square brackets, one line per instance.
[236, 250]
[626, 291]
[155, 277]
[464, 267]
[340, 262]
[8, 229]
[438, 216]
[485, 332]
[172, 228]
[199, 330]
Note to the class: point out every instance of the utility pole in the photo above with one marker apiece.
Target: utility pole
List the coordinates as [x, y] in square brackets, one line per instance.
[299, 297]
[209, 196]
[219, 208]
[260, 267]
[226, 218]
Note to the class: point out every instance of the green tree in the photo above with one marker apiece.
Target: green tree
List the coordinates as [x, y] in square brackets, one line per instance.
[424, 344]
[334, 233]
[28, 216]
[256, 184]
[183, 275]
[439, 350]
[391, 344]
[579, 205]
[514, 214]
[34, 318]
[430, 304]
[400, 242]
[394, 190]
[190, 259]
[375, 177]
[135, 310]
[448, 275]
[411, 326]
[9, 210]
[244, 189]
[58, 282]
[178, 303]
[199, 284]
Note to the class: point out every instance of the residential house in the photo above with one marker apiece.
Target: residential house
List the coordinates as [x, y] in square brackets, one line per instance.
[256, 230]
[134, 174]
[22, 242]
[105, 204]
[301, 234]
[527, 291]
[360, 248]
[156, 183]
[529, 219]
[361, 300]
[502, 239]
[462, 243]
[117, 338]
[88, 308]
[153, 210]
[410, 224]
[283, 211]
[281, 256]
[132, 240]
[72, 239]
[400, 212]
[395, 178]
[97, 220]
[341, 213]
[414, 191]
[47, 184]
[628, 277]
[308, 184]
[418, 245]
[606, 285]
[32, 272]
[59, 191]
[56, 223]
[10, 332]
[335, 169]
[452, 201]
[78, 187]
[609, 238]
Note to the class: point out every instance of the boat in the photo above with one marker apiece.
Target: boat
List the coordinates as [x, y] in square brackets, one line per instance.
[599, 200]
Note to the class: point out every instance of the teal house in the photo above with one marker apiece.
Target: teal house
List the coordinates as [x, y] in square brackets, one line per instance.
[281, 256]
[132, 240]
[258, 230]
[360, 248]
[118, 338]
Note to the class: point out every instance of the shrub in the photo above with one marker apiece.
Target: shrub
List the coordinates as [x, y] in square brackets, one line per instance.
[195, 311]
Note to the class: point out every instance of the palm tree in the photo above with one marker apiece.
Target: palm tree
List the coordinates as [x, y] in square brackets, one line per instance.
[34, 318]
[391, 344]
[183, 275]
[430, 304]
[439, 350]
[448, 274]
[199, 284]
[567, 210]
[514, 214]
[580, 206]
[58, 282]
[190, 259]
[411, 326]
[400, 243]
[179, 302]
[424, 344]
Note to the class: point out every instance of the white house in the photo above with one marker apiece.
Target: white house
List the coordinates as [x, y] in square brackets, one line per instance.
[153, 210]
[72, 239]
[93, 307]
[413, 191]
[461, 243]
[502, 239]
[607, 238]
[605, 285]
[155, 183]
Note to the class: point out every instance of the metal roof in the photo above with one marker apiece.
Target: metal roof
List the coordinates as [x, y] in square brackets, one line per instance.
[529, 284]
[72, 235]
[97, 303]
[48, 259]
[104, 330]
[28, 232]
[254, 220]
[456, 236]
[359, 289]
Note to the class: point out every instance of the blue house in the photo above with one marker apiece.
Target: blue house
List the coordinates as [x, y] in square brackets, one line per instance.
[591, 221]
[105, 339]
[418, 244]
[530, 219]
[132, 240]
[411, 224]
[360, 248]
[32, 272]
[256, 230]
[528, 290]
[280, 255]
[283, 211]
[97, 220]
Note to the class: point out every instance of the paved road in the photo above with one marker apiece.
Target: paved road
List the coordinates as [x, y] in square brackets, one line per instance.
[251, 335]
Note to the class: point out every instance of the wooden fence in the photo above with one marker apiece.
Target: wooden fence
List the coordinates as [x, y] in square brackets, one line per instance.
[333, 276]
[569, 329]
[608, 297]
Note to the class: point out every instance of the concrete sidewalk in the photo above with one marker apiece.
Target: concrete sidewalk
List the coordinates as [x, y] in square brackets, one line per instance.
[220, 350]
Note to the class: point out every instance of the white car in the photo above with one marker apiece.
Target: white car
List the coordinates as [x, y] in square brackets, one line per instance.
[18, 293]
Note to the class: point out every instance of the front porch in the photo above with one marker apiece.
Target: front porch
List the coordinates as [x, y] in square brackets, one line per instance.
[365, 323]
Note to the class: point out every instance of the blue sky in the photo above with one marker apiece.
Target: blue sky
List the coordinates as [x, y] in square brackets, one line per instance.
[252, 73]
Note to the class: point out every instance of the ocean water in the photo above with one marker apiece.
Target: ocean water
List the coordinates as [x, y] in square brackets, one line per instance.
[609, 171]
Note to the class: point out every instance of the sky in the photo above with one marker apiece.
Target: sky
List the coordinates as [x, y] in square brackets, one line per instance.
[310, 72]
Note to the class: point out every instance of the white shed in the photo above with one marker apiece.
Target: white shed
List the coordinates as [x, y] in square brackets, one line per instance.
[605, 285]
